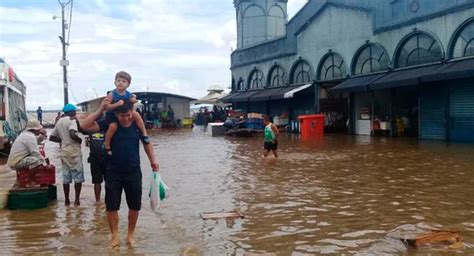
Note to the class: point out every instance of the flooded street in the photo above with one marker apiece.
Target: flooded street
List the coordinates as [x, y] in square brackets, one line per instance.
[341, 194]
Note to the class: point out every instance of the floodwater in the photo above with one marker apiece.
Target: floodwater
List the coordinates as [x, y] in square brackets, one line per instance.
[338, 195]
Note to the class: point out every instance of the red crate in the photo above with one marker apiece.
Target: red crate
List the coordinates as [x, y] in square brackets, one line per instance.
[42, 175]
[22, 177]
[46, 175]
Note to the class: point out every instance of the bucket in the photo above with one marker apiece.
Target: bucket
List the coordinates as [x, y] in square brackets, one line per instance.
[3, 198]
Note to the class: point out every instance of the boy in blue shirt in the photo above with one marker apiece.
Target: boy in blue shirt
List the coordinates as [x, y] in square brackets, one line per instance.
[120, 96]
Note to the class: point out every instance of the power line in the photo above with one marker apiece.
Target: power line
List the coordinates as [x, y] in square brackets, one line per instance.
[69, 23]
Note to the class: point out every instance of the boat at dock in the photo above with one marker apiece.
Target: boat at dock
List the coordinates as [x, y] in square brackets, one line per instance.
[12, 105]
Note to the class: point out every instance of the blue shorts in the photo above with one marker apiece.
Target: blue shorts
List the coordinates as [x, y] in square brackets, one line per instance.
[70, 175]
[116, 182]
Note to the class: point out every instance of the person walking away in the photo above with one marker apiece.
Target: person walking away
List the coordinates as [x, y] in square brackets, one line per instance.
[97, 160]
[24, 153]
[39, 115]
[123, 172]
[270, 137]
[118, 97]
[65, 132]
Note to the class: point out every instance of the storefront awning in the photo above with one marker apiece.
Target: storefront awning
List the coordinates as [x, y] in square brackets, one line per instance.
[278, 93]
[291, 93]
[356, 84]
[244, 97]
[228, 97]
[266, 94]
[452, 70]
[405, 77]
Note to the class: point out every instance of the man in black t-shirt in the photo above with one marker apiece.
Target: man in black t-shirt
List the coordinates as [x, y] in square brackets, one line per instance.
[97, 162]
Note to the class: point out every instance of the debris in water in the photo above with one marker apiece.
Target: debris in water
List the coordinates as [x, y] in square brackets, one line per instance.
[450, 238]
[220, 215]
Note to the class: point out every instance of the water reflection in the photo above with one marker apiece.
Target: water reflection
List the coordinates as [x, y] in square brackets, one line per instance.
[340, 194]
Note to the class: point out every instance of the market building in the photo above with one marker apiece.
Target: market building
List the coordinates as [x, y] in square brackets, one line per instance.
[392, 67]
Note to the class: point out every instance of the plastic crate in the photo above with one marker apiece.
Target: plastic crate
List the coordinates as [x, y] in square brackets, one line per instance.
[254, 126]
[52, 193]
[28, 200]
[255, 120]
[43, 175]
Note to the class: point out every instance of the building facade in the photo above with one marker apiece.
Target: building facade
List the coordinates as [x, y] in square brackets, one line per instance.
[398, 67]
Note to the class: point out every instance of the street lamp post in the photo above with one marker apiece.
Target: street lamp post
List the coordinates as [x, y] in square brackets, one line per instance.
[64, 63]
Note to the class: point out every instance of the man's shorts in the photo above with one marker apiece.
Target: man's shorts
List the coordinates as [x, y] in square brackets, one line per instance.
[97, 172]
[130, 182]
[270, 146]
[29, 162]
[70, 175]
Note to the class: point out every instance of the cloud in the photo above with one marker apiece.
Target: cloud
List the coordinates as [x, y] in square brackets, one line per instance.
[179, 46]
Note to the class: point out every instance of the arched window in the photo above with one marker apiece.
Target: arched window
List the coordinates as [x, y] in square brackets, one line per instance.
[301, 73]
[419, 48]
[276, 21]
[277, 76]
[369, 59]
[332, 67]
[256, 79]
[463, 43]
[240, 85]
[253, 25]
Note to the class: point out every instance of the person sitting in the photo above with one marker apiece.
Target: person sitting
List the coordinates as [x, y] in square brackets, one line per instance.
[25, 153]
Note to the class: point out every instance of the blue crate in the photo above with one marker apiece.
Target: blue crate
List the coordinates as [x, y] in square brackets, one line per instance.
[254, 126]
[255, 120]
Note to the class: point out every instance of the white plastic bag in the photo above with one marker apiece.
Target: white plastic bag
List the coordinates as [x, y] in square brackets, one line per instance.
[158, 191]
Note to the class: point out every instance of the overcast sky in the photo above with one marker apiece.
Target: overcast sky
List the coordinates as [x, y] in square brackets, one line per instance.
[174, 46]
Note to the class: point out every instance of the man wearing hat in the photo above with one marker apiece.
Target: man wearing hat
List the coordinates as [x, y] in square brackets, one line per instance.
[24, 153]
[65, 133]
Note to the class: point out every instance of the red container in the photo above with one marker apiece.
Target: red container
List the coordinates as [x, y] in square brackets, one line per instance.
[311, 126]
[42, 175]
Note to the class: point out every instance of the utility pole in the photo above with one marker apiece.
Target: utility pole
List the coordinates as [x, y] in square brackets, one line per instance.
[64, 62]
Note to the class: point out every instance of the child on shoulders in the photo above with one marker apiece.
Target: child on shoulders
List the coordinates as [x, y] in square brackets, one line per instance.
[118, 97]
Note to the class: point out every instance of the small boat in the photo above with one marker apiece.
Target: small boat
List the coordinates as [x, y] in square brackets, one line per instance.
[12, 105]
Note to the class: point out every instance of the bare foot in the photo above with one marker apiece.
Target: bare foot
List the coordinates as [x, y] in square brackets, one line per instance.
[67, 202]
[77, 203]
[131, 242]
[114, 241]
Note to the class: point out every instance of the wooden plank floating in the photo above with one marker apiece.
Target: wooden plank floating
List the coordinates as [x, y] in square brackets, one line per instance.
[451, 238]
[222, 215]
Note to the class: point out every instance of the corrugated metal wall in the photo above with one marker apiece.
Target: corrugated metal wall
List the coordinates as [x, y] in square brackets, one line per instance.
[433, 107]
[462, 112]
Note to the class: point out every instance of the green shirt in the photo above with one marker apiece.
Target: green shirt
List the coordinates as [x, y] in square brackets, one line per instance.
[269, 134]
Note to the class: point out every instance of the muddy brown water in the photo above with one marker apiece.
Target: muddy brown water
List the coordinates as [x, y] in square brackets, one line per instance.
[338, 195]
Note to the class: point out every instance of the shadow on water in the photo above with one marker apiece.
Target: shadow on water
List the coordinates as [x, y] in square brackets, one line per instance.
[339, 194]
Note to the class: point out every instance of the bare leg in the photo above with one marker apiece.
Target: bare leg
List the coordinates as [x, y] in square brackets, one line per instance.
[113, 218]
[97, 189]
[265, 153]
[77, 189]
[108, 135]
[275, 153]
[139, 122]
[66, 194]
[132, 223]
